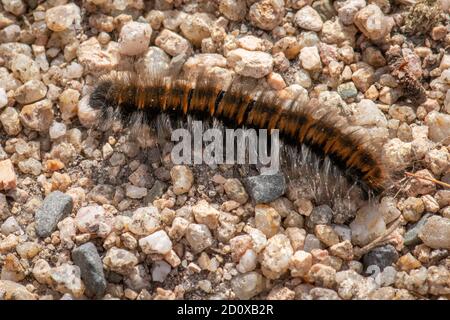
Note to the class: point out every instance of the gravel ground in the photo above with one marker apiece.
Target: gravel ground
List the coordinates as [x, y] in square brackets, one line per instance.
[85, 214]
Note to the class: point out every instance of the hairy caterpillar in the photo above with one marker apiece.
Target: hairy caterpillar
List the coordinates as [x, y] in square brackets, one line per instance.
[332, 158]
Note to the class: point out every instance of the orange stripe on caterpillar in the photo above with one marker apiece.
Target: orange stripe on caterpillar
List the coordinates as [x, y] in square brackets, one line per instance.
[240, 105]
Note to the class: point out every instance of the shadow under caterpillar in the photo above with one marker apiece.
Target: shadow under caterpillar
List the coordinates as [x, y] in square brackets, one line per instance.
[335, 161]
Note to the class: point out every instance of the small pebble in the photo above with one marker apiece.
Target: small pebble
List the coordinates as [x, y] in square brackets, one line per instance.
[14, 291]
[16, 7]
[196, 27]
[322, 275]
[300, 263]
[435, 232]
[66, 278]
[347, 90]
[37, 116]
[135, 192]
[307, 18]
[248, 285]
[157, 242]
[31, 91]
[234, 10]
[326, 235]
[182, 179]
[310, 58]
[319, 215]
[343, 250]
[25, 68]
[266, 14]
[9, 226]
[367, 226]
[276, 256]
[134, 38]
[68, 103]
[120, 261]
[267, 220]
[371, 21]
[160, 271]
[247, 262]
[8, 179]
[86, 257]
[60, 18]
[95, 220]
[380, 257]
[145, 221]
[265, 188]
[55, 206]
[311, 243]
[57, 130]
[439, 126]
[93, 57]
[408, 262]
[172, 43]
[153, 59]
[235, 190]
[199, 237]
[253, 64]
[206, 214]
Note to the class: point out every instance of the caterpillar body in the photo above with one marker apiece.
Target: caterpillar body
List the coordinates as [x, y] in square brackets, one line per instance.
[337, 162]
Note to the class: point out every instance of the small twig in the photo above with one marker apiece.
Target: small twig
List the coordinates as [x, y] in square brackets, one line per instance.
[380, 240]
[409, 174]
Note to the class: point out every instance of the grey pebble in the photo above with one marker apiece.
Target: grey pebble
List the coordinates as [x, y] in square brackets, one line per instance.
[153, 155]
[87, 258]
[381, 257]
[412, 235]
[344, 232]
[156, 191]
[265, 188]
[55, 206]
[347, 90]
[311, 242]
[162, 174]
[319, 215]
[114, 277]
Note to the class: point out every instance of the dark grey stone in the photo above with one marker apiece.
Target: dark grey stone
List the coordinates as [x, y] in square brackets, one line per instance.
[319, 215]
[265, 188]
[381, 257]
[156, 191]
[154, 155]
[311, 243]
[412, 235]
[114, 277]
[343, 231]
[87, 258]
[55, 206]
[162, 174]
